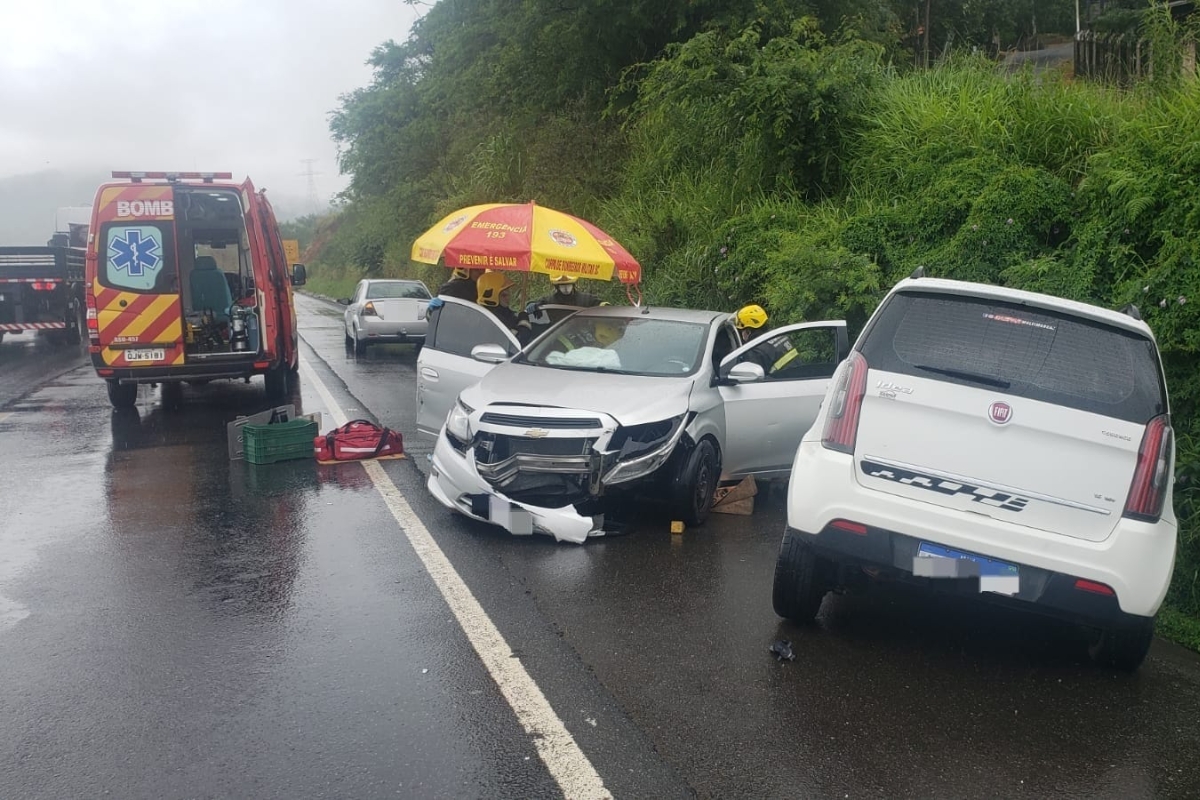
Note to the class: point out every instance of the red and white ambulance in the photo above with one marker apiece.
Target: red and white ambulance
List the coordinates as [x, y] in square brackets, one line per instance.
[187, 281]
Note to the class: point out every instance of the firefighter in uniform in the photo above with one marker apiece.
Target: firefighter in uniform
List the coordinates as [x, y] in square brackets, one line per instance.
[751, 322]
[493, 294]
[565, 293]
[462, 285]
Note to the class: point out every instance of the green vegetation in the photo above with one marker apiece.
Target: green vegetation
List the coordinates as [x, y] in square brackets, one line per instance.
[790, 154]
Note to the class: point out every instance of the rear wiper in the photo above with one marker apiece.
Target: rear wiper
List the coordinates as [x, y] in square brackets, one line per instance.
[967, 376]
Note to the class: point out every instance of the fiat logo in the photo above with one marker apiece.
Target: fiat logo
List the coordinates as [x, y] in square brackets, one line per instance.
[1000, 413]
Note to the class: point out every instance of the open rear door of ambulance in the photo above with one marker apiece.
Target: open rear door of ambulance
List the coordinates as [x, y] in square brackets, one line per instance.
[269, 274]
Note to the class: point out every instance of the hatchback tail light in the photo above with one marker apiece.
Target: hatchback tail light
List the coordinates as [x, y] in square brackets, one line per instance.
[841, 427]
[369, 310]
[1153, 472]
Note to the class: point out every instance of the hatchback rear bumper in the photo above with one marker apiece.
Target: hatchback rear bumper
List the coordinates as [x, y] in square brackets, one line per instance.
[1135, 562]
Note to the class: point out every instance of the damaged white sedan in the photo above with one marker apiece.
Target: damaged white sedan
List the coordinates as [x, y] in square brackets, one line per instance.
[656, 402]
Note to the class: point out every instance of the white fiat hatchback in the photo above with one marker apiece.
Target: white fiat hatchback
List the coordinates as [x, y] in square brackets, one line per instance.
[982, 439]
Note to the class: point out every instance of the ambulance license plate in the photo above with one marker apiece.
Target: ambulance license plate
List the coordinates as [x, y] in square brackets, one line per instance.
[145, 355]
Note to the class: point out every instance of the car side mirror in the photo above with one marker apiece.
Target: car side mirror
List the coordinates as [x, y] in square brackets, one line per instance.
[489, 353]
[299, 275]
[744, 373]
[344, 301]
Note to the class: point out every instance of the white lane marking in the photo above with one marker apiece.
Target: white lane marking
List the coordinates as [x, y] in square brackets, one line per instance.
[558, 750]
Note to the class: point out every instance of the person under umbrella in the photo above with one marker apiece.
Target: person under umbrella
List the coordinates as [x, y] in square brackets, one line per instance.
[493, 294]
[462, 284]
[565, 293]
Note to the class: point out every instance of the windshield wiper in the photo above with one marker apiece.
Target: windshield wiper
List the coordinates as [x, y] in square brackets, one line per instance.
[967, 376]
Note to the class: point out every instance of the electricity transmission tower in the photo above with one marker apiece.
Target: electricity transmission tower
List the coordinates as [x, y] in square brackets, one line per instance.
[312, 184]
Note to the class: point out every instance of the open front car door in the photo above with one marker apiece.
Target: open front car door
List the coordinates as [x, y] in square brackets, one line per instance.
[445, 366]
[766, 416]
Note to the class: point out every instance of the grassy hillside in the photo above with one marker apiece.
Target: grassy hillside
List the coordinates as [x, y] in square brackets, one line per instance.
[782, 163]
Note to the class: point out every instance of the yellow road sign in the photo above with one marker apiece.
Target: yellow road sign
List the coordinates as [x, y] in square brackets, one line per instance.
[291, 249]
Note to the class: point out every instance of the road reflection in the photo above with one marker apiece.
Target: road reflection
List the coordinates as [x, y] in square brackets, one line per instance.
[231, 532]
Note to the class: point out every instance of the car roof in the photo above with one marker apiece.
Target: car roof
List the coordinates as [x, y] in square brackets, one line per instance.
[654, 312]
[1037, 299]
[393, 280]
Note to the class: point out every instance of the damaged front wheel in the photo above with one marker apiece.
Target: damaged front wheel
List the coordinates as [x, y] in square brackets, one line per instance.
[695, 485]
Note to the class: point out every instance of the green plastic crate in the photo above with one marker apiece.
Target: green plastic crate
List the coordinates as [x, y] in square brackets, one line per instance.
[281, 441]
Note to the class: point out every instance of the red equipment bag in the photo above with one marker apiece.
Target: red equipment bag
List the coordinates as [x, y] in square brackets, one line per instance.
[358, 439]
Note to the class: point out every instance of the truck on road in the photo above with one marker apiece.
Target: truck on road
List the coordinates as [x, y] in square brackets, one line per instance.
[42, 288]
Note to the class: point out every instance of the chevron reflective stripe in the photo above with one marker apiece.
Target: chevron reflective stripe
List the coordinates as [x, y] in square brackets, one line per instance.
[33, 326]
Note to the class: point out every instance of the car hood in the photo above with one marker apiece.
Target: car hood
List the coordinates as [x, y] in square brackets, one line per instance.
[629, 399]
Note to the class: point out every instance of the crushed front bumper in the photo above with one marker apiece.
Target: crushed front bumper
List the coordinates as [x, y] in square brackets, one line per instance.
[456, 483]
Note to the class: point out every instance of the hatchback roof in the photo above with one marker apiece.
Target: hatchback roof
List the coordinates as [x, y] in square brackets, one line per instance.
[1098, 313]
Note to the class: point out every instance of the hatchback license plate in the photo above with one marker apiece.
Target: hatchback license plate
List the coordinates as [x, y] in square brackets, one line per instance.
[935, 561]
[145, 355]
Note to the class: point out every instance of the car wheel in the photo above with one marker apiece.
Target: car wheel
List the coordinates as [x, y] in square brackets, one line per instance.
[1124, 645]
[801, 580]
[349, 338]
[122, 395]
[695, 485]
[360, 345]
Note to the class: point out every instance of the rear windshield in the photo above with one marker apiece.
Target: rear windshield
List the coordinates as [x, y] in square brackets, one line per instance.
[1018, 350]
[394, 291]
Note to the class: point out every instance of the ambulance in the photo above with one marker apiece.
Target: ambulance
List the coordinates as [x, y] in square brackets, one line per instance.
[187, 281]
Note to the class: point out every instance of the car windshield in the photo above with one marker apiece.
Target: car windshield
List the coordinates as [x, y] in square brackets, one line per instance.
[626, 346]
[396, 289]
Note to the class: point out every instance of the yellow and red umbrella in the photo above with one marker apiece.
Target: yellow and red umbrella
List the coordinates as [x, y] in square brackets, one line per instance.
[525, 238]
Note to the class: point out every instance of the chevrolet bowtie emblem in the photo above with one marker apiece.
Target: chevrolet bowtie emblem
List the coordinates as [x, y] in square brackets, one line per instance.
[537, 433]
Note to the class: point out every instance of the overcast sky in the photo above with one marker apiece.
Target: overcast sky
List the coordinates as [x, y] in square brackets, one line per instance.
[230, 85]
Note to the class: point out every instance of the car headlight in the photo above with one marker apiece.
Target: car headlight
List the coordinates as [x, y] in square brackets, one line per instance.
[641, 449]
[458, 422]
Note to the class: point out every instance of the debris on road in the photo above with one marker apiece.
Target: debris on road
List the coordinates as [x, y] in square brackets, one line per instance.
[736, 499]
[782, 650]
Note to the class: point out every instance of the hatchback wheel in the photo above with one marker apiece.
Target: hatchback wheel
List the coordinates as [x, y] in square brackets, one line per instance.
[801, 580]
[1124, 645]
[360, 345]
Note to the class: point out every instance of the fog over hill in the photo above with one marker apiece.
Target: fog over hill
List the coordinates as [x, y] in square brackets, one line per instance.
[28, 202]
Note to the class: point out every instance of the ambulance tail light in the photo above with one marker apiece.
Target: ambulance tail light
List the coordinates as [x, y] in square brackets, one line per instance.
[93, 323]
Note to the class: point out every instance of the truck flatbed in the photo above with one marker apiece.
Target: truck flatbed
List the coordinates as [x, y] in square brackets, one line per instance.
[28, 264]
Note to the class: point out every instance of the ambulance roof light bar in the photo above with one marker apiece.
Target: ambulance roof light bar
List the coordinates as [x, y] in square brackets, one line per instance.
[174, 177]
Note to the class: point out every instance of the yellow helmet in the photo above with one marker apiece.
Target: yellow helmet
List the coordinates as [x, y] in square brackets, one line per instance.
[560, 280]
[606, 333]
[489, 287]
[751, 317]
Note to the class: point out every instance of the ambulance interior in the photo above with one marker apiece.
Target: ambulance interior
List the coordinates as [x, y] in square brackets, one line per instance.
[220, 305]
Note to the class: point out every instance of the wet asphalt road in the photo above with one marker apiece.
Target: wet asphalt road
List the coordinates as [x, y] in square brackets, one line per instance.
[176, 625]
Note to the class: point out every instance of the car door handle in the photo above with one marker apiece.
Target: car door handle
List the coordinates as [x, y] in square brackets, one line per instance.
[426, 372]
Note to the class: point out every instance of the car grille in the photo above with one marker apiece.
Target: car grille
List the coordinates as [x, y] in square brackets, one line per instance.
[491, 448]
[549, 423]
